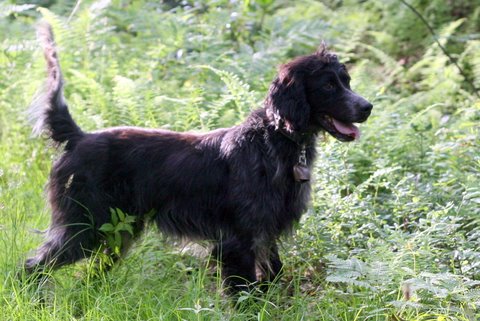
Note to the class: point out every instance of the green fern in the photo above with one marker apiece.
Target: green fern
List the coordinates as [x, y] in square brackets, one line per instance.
[239, 91]
[126, 106]
[354, 272]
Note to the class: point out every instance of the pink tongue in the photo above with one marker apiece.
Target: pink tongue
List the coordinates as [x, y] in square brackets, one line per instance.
[346, 129]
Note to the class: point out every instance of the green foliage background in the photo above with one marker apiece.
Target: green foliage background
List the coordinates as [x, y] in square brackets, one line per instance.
[397, 212]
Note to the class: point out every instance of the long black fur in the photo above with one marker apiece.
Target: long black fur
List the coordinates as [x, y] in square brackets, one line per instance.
[232, 186]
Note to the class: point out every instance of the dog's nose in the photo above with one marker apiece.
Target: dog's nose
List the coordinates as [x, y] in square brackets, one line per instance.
[366, 108]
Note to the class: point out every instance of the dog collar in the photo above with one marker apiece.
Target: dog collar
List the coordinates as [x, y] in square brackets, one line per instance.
[299, 139]
[301, 172]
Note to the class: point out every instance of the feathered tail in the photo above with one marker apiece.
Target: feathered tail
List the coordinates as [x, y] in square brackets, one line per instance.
[49, 111]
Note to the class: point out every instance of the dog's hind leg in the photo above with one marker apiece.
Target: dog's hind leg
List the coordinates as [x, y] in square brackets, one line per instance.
[64, 245]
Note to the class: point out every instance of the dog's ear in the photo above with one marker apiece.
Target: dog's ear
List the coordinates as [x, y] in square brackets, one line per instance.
[287, 103]
[322, 49]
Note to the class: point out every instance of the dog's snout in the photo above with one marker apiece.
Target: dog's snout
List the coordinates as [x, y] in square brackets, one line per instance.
[363, 108]
[366, 107]
[359, 103]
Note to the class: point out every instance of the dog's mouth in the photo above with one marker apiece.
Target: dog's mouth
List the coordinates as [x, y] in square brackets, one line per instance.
[345, 132]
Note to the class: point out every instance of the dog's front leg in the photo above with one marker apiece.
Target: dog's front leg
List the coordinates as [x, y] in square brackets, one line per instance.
[238, 264]
[273, 266]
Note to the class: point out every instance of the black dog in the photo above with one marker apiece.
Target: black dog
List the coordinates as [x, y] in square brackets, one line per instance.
[239, 187]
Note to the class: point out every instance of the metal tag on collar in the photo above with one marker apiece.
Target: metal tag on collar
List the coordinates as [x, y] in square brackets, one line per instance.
[301, 172]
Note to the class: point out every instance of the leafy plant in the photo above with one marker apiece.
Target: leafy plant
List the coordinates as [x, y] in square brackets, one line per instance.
[120, 223]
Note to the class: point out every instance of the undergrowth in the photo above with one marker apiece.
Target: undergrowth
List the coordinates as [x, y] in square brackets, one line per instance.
[392, 231]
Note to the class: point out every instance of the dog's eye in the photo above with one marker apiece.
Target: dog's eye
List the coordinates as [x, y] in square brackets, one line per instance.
[329, 86]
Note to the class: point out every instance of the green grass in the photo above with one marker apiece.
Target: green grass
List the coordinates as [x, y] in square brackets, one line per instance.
[397, 211]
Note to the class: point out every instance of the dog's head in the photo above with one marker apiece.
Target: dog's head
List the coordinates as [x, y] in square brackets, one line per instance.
[312, 93]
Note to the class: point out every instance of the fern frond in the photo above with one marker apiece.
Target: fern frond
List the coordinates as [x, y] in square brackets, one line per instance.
[239, 91]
